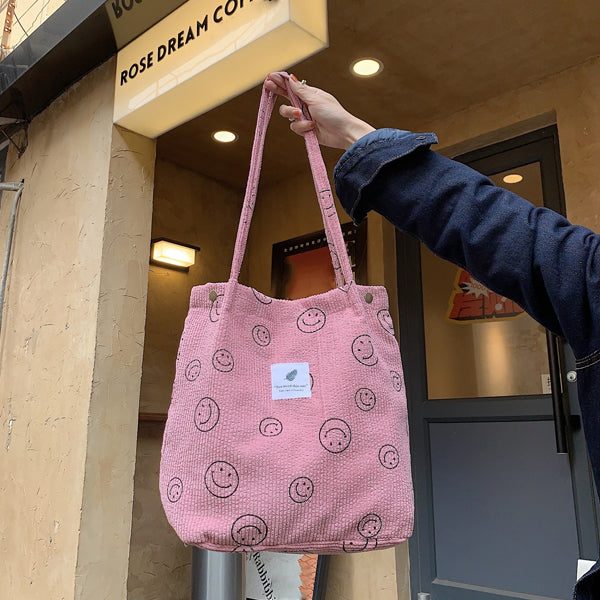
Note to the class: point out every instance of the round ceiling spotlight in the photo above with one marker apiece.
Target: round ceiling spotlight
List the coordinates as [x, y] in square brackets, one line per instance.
[512, 178]
[367, 67]
[225, 137]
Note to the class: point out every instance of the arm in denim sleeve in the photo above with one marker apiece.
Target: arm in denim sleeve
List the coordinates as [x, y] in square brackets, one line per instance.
[529, 254]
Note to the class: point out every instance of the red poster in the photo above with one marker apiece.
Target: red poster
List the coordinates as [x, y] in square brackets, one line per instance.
[472, 301]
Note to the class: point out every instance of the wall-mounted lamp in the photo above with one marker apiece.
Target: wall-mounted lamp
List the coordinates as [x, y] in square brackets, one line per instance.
[168, 253]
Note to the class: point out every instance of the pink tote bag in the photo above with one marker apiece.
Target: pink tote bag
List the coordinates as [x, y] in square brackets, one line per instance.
[287, 429]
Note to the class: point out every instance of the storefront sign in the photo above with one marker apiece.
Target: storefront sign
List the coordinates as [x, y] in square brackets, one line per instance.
[208, 51]
[130, 18]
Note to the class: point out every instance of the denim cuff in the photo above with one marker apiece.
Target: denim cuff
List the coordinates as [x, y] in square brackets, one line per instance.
[361, 163]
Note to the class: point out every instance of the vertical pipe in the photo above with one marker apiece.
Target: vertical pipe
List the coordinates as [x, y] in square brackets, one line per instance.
[217, 575]
[11, 228]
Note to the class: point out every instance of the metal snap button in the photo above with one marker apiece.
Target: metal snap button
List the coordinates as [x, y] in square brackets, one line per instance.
[212, 295]
[368, 297]
[572, 376]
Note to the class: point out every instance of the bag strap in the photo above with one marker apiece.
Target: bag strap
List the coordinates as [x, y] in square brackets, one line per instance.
[331, 222]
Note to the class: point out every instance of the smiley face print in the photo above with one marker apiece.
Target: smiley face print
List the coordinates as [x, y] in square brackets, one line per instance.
[248, 531]
[363, 351]
[389, 457]
[270, 427]
[223, 361]
[221, 479]
[335, 435]
[301, 489]
[361, 545]
[334, 258]
[192, 371]
[311, 320]
[261, 297]
[369, 526]
[261, 335]
[206, 415]
[385, 320]
[174, 489]
[396, 380]
[365, 399]
[215, 308]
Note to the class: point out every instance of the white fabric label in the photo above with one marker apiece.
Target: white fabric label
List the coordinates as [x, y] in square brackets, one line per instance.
[290, 380]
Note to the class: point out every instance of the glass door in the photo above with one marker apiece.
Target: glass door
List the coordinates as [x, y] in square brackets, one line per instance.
[499, 512]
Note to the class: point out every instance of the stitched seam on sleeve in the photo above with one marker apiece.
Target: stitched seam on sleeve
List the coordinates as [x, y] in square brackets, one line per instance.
[588, 361]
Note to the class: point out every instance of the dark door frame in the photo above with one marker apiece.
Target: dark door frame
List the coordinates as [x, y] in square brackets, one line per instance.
[541, 145]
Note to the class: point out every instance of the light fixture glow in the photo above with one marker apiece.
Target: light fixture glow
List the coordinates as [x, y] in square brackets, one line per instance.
[367, 67]
[174, 254]
[512, 178]
[226, 137]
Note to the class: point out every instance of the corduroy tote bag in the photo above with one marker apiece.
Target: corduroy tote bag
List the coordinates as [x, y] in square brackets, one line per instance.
[287, 429]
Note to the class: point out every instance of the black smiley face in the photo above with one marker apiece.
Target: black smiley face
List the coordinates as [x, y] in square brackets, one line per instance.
[355, 546]
[192, 371]
[365, 399]
[301, 489]
[249, 530]
[221, 479]
[389, 457]
[261, 297]
[370, 526]
[261, 335]
[311, 320]
[270, 427]
[215, 308]
[385, 320]
[206, 415]
[335, 435]
[396, 380]
[363, 351]
[174, 489]
[334, 257]
[223, 361]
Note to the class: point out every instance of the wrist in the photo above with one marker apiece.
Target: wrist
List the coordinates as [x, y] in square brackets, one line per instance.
[356, 130]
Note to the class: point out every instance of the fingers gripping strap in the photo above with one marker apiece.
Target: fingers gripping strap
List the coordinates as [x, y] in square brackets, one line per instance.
[333, 231]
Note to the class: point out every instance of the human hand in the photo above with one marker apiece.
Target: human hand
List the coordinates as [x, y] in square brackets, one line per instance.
[334, 125]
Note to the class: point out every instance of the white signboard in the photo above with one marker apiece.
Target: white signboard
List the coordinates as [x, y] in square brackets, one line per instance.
[207, 52]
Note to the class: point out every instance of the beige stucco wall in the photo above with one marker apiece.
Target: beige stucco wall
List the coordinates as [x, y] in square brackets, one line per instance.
[573, 95]
[70, 348]
[195, 210]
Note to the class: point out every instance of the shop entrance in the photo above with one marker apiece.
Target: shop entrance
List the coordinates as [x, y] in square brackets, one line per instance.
[500, 513]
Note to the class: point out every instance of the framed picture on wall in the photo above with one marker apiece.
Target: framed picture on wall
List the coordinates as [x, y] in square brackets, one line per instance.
[302, 266]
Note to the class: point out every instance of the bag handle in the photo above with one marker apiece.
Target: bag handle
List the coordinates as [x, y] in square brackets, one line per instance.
[331, 222]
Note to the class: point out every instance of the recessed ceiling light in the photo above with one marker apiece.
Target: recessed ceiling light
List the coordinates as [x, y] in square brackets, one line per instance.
[512, 178]
[225, 137]
[367, 67]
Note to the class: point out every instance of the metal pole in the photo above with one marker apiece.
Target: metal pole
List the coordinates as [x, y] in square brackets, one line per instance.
[18, 187]
[217, 575]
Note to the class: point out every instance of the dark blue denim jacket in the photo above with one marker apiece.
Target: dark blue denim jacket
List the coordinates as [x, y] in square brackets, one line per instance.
[531, 255]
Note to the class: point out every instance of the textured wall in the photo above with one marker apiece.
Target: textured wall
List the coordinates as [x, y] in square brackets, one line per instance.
[71, 348]
[105, 528]
[48, 337]
[573, 96]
